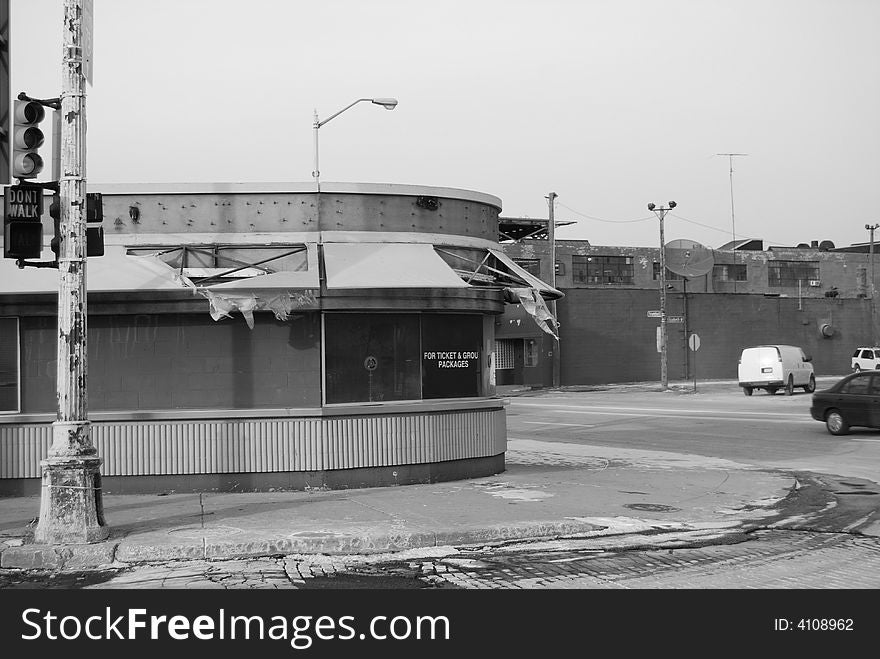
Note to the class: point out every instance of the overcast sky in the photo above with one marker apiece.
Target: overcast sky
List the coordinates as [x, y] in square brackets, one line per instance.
[610, 104]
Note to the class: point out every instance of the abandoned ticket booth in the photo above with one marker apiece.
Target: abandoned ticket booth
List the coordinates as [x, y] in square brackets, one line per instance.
[246, 337]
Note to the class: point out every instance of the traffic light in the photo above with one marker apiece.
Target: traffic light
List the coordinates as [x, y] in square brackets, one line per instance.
[94, 230]
[27, 138]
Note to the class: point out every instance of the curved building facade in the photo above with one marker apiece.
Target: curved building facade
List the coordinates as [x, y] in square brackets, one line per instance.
[247, 337]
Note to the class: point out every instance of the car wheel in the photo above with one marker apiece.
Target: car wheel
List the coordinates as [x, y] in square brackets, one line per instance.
[747, 391]
[811, 387]
[857, 368]
[789, 386]
[835, 423]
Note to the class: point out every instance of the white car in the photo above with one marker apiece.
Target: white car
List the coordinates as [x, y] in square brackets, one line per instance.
[865, 359]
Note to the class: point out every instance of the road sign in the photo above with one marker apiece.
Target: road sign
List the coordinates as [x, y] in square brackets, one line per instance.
[694, 342]
[654, 314]
[674, 319]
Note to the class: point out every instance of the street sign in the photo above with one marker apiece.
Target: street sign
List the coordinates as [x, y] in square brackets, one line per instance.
[694, 342]
[654, 314]
[674, 319]
[22, 203]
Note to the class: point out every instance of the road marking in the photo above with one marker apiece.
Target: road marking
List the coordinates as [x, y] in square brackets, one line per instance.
[552, 423]
[708, 416]
[581, 408]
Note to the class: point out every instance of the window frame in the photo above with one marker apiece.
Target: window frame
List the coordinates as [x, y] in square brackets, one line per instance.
[603, 269]
[802, 271]
[17, 360]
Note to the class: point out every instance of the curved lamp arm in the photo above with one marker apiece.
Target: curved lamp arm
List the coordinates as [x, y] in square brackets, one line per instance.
[387, 103]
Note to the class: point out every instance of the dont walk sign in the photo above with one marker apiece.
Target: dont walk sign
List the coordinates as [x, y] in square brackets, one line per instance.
[23, 203]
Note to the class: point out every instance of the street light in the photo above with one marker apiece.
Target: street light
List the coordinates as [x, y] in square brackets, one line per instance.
[661, 213]
[871, 227]
[387, 103]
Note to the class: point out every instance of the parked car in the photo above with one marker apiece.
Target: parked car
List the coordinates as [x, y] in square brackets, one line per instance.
[775, 367]
[865, 359]
[852, 401]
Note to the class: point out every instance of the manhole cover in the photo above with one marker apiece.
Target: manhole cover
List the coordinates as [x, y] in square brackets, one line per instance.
[652, 507]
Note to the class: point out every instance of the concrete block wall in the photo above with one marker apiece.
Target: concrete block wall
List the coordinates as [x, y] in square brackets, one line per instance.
[607, 336]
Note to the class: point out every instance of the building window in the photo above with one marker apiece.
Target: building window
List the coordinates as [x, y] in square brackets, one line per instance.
[602, 269]
[504, 354]
[670, 276]
[789, 273]
[532, 266]
[730, 272]
[387, 357]
[530, 352]
[10, 373]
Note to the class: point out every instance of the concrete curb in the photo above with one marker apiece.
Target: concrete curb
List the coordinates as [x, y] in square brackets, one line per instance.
[119, 553]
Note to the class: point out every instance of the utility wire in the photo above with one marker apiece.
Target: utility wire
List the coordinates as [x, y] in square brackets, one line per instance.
[599, 219]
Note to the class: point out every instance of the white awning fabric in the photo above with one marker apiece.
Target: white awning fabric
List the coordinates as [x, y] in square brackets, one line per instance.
[528, 278]
[115, 271]
[279, 292]
[387, 265]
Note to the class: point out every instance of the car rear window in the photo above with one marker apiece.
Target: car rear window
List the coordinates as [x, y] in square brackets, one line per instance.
[856, 386]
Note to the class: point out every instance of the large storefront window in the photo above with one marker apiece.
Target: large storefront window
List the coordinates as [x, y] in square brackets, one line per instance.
[9, 365]
[387, 357]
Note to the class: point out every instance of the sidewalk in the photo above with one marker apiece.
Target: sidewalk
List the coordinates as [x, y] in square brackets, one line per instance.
[619, 497]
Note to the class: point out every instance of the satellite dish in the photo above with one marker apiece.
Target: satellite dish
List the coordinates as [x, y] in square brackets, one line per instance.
[688, 259]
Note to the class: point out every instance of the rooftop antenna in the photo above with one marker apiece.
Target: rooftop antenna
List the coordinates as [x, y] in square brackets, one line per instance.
[730, 157]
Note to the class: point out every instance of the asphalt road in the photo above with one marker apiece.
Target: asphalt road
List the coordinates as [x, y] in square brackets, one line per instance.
[717, 420]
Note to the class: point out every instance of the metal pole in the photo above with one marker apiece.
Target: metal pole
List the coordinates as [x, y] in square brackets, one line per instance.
[551, 237]
[71, 505]
[732, 215]
[316, 172]
[664, 377]
[871, 227]
[661, 213]
[687, 365]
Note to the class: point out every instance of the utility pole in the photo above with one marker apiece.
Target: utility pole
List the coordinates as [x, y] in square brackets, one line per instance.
[664, 370]
[551, 237]
[71, 504]
[730, 157]
[871, 227]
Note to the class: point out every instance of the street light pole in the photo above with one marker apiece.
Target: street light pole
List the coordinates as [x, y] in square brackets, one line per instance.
[387, 103]
[71, 506]
[871, 227]
[661, 213]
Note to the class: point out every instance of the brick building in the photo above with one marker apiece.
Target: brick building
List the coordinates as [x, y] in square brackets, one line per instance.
[813, 294]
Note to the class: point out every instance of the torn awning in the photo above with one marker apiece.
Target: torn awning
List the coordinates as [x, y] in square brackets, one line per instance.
[534, 305]
[279, 292]
[528, 279]
[387, 265]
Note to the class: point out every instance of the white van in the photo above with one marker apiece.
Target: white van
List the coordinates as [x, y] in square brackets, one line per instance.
[775, 367]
